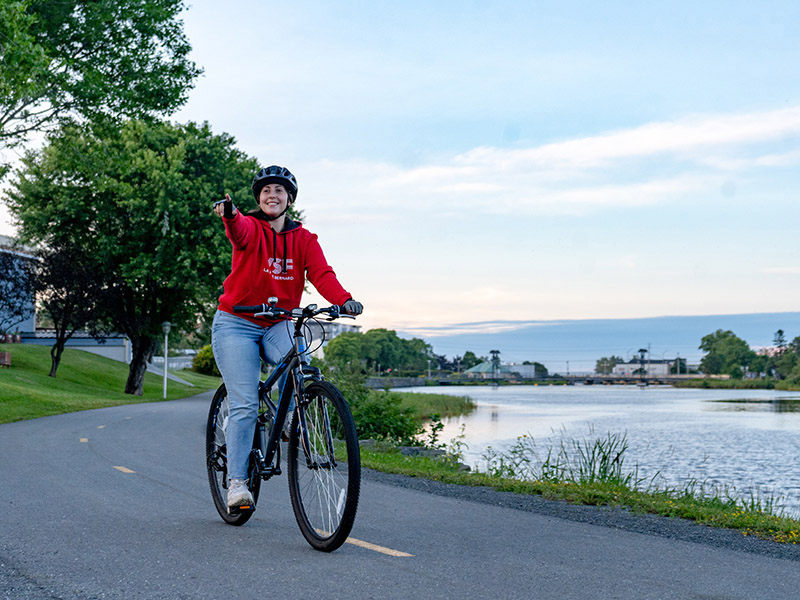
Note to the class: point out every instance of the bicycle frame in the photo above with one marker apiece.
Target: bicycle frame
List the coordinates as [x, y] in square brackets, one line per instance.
[295, 362]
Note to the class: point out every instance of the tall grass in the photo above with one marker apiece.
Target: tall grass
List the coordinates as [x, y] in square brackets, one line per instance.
[445, 405]
[587, 460]
[601, 460]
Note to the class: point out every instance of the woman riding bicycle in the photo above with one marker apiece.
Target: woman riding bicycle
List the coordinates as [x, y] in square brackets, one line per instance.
[272, 256]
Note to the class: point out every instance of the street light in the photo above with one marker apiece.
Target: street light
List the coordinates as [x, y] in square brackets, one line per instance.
[165, 327]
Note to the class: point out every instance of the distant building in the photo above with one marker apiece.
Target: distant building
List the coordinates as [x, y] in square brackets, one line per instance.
[524, 371]
[652, 368]
[485, 370]
[7, 246]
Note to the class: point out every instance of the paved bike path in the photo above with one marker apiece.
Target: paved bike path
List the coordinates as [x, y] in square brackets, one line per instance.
[114, 503]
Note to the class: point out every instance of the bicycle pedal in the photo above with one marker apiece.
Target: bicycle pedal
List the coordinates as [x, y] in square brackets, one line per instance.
[237, 510]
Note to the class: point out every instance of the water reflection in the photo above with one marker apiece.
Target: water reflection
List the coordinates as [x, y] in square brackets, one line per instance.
[744, 439]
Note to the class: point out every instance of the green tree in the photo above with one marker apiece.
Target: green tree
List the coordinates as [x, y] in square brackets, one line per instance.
[89, 59]
[470, 360]
[779, 341]
[679, 367]
[606, 364]
[139, 199]
[379, 347]
[65, 279]
[725, 353]
[794, 345]
[783, 364]
[346, 348]
[758, 364]
[416, 353]
[383, 347]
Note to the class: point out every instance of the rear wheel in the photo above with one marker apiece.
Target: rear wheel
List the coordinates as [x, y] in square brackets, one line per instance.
[217, 461]
[325, 478]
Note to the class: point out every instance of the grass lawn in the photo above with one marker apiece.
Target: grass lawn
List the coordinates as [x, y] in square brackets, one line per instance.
[424, 404]
[84, 381]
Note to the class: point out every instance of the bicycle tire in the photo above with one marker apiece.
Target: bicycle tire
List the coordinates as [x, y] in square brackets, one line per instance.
[325, 494]
[216, 460]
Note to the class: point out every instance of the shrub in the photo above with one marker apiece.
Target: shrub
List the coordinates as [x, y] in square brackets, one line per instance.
[378, 415]
[204, 362]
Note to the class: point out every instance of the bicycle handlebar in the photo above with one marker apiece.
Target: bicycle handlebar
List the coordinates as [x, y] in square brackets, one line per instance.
[267, 310]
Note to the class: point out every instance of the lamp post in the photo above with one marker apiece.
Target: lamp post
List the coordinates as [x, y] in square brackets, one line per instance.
[165, 327]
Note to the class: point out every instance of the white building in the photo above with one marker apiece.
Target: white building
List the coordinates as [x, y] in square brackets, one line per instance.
[652, 368]
[7, 247]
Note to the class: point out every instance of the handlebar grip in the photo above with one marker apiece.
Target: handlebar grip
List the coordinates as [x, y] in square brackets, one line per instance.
[250, 309]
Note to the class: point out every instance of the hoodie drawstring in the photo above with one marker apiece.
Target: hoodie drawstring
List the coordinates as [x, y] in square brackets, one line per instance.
[284, 266]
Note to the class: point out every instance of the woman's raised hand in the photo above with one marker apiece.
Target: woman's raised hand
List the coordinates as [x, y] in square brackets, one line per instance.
[225, 208]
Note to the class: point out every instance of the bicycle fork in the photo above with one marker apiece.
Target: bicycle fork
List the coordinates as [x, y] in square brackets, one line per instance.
[314, 461]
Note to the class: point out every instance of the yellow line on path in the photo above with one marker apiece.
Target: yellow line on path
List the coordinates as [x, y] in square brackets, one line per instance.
[367, 545]
[376, 548]
[100, 426]
[124, 469]
[84, 440]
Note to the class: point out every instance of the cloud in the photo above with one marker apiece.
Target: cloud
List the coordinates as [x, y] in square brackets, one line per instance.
[683, 137]
[462, 328]
[634, 167]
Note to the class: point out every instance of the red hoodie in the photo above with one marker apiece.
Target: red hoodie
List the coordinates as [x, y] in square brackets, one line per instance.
[266, 263]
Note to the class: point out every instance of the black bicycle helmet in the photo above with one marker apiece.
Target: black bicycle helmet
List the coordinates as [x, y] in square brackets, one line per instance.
[275, 174]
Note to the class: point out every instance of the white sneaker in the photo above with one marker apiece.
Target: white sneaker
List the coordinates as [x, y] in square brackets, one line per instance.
[238, 494]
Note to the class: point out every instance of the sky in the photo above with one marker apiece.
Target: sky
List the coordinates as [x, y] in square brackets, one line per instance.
[466, 163]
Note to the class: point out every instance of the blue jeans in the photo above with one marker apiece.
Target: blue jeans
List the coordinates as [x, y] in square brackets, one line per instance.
[239, 346]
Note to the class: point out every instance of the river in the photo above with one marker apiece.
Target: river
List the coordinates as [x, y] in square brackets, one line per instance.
[747, 440]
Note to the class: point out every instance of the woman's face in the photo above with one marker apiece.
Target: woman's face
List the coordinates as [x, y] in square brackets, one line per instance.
[273, 199]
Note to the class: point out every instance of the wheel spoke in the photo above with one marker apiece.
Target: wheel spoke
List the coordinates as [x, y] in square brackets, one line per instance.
[324, 491]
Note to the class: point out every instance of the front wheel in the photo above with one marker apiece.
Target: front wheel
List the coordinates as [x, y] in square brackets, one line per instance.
[325, 477]
[217, 460]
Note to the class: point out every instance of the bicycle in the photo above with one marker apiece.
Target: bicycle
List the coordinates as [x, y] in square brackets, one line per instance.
[323, 457]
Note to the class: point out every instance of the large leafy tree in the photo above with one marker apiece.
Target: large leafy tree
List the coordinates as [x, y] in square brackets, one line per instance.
[379, 347]
[725, 353]
[92, 59]
[138, 198]
[470, 359]
[345, 349]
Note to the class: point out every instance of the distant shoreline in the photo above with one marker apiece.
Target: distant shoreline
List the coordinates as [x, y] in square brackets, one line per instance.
[738, 384]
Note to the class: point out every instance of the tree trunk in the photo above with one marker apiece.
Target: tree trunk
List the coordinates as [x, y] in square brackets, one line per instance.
[55, 356]
[142, 352]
